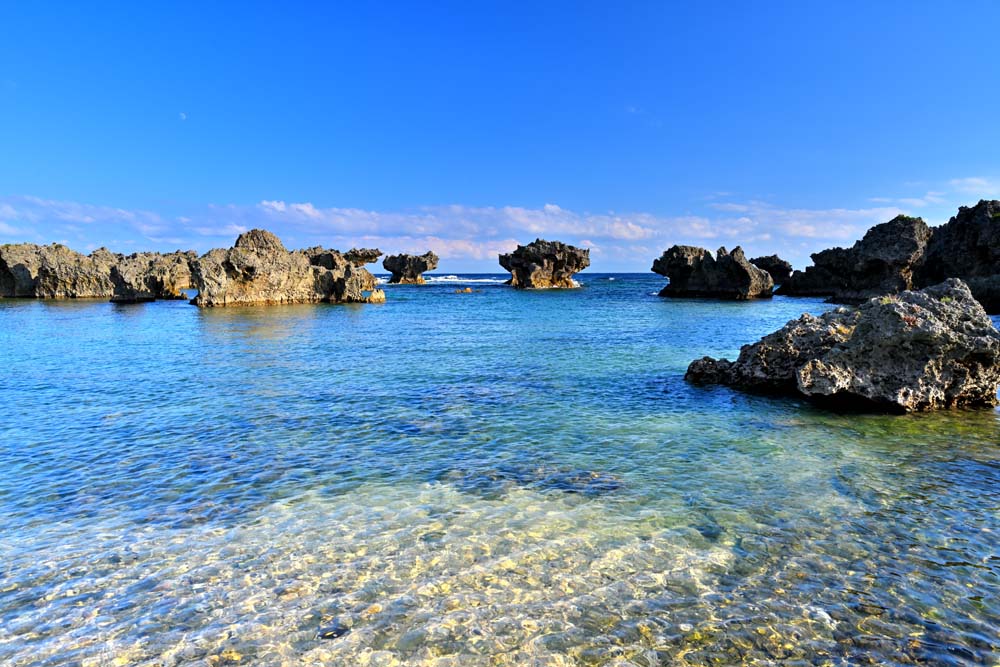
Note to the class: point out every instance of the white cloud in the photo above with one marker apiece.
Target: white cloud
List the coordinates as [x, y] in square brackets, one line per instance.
[183, 116]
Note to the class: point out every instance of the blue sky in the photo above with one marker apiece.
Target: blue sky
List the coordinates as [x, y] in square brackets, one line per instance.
[467, 127]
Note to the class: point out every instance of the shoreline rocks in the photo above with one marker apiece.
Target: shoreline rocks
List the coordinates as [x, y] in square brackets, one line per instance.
[882, 262]
[259, 270]
[544, 265]
[779, 269]
[916, 351]
[409, 269]
[694, 272]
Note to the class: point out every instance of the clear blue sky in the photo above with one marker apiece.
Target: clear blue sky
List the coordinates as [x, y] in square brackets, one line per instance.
[628, 127]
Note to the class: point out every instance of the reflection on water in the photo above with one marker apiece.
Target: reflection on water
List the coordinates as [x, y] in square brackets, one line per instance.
[496, 479]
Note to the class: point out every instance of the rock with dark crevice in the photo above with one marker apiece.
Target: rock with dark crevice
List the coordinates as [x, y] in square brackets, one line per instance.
[694, 272]
[545, 264]
[915, 351]
[148, 276]
[54, 272]
[409, 269]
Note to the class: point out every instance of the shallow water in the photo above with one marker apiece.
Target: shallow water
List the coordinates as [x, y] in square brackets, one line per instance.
[494, 478]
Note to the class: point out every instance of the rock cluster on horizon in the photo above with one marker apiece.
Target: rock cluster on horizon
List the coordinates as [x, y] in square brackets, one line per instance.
[905, 253]
[778, 268]
[545, 264]
[57, 272]
[259, 270]
[916, 351]
[694, 272]
[409, 269]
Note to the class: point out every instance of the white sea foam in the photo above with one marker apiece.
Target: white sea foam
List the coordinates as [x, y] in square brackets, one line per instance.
[453, 279]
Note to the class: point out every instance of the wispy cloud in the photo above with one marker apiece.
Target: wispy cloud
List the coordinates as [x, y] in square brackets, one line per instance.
[470, 237]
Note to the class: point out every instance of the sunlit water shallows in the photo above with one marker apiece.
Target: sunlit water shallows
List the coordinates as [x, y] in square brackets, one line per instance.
[491, 478]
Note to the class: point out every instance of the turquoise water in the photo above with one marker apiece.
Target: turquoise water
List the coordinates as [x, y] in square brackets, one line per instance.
[494, 478]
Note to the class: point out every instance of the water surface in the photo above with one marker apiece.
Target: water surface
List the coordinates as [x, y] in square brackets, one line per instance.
[493, 478]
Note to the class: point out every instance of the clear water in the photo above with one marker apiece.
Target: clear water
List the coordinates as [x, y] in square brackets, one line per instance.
[494, 478]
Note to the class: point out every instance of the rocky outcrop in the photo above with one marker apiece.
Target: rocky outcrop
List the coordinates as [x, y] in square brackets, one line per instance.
[882, 262]
[779, 269]
[362, 256]
[967, 247]
[919, 350]
[259, 270]
[54, 272]
[409, 269]
[545, 264]
[694, 272]
[147, 276]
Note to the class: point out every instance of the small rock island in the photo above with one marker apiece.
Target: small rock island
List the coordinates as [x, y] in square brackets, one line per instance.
[694, 272]
[409, 269]
[779, 269]
[915, 351]
[259, 270]
[545, 264]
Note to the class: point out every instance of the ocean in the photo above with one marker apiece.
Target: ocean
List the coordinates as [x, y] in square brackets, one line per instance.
[491, 478]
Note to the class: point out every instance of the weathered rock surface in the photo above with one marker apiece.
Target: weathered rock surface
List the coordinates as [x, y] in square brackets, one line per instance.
[54, 272]
[882, 262]
[920, 350]
[362, 256]
[694, 272]
[147, 276]
[967, 247]
[545, 264]
[259, 270]
[777, 267]
[409, 269]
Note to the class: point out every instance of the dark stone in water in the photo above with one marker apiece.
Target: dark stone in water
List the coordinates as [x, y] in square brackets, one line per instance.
[497, 481]
[333, 631]
[710, 530]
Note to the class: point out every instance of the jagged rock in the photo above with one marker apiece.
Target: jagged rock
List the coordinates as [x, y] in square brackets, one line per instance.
[409, 269]
[967, 247]
[545, 264]
[693, 272]
[362, 256]
[54, 272]
[258, 270]
[919, 350]
[777, 267]
[147, 276]
[882, 262]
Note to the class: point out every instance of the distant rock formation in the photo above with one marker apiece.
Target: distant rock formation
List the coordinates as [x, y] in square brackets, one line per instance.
[258, 270]
[967, 247]
[920, 350]
[882, 262]
[693, 272]
[545, 264]
[362, 256]
[777, 267]
[148, 276]
[409, 269]
[54, 272]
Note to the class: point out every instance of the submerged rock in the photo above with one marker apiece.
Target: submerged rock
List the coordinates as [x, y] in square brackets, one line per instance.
[882, 262]
[498, 481]
[545, 264]
[259, 270]
[409, 269]
[54, 272]
[774, 265]
[693, 272]
[921, 350]
[148, 276]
